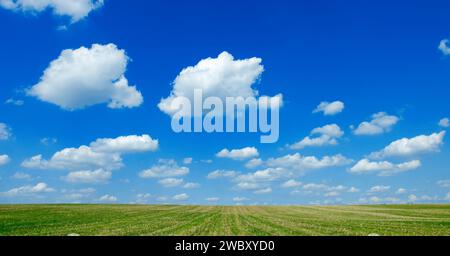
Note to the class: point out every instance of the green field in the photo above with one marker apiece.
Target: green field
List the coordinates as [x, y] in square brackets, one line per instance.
[105, 220]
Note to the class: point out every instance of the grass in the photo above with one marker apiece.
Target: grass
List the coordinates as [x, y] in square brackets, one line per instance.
[128, 220]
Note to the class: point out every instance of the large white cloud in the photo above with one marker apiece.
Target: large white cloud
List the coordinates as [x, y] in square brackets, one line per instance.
[89, 177]
[164, 169]
[75, 9]
[88, 76]
[408, 147]
[380, 123]
[326, 135]
[5, 132]
[239, 154]
[28, 190]
[4, 159]
[330, 108]
[220, 77]
[103, 153]
[383, 168]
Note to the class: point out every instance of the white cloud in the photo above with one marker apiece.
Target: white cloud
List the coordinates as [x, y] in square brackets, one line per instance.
[5, 132]
[256, 162]
[332, 194]
[260, 176]
[212, 199]
[240, 199]
[412, 198]
[48, 141]
[330, 109]
[14, 102]
[444, 47]
[401, 191]
[263, 191]
[379, 189]
[125, 144]
[297, 162]
[417, 145]
[4, 159]
[444, 183]
[383, 168]
[84, 77]
[89, 177]
[217, 174]
[181, 197]
[75, 9]
[239, 154]
[28, 190]
[327, 135]
[353, 190]
[21, 176]
[291, 184]
[164, 169]
[103, 153]
[171, 182]
[108, 199]
[444, 123]
[219, 77]
[247, 186]
[381, 123]
[188, 160]
[191, 185]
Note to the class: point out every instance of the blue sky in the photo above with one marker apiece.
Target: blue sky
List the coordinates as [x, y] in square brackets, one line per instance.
[381, 60]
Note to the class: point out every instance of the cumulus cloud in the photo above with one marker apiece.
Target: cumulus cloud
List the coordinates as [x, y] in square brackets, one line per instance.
[263, 191]
[291, 184]
[75, 9]
[89, 177]
[103, 153]
[383, 168]
[217, 77]
[212, 199]
[191, 185]
[443, 46]
[326, 135]
[297, 162]
[379, 189]
[108, 199]
[88, 76]
[330, 108]
[28, 190]
[21, 176]
[4, 159]
[181, 197]
[414, 146]
[256, 162]
[5, 132]
[171, 182]
[444, 123]
[381, 122]
[239, 154]
[125, 144]
[217, 174]
[165, 169]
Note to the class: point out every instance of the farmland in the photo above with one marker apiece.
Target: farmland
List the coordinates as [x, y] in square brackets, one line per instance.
[136, 220]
